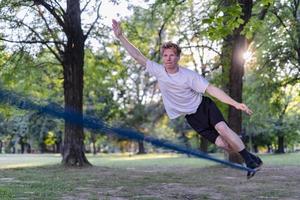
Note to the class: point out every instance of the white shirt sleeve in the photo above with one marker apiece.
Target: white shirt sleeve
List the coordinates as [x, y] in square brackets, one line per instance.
[154, 68]
[199, 83]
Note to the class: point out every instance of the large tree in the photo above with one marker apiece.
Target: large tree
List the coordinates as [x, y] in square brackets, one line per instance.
[235, 21]
[56, 25]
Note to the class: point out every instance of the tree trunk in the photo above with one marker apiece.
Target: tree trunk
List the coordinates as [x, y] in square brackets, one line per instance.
[58, 147]
[28, 148]
[236, 74]
[22, 147]
[42, 147]
[280, 144]
[94, 148]
[239, 46]
[203, 144]
[22, 144]
[73, 59]
[279, 124]
[58, 142]
[141, 148]
[1, 145]
[93, 138]
[184, 139]
[236, 88]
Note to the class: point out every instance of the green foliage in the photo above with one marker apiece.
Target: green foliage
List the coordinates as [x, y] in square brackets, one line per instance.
[267, 2]
[252, 27]
[102, 72]
[276, 110]
[50, 138]
[222, 21]
[36, 76]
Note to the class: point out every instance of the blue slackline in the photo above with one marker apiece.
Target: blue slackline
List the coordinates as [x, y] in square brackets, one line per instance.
[57, 111]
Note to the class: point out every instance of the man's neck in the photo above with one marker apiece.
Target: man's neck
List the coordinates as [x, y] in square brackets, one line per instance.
[173, 70]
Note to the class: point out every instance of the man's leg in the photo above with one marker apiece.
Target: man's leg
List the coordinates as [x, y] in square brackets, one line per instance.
[230, 136]
[220, 142]
[234, 143]
[209, 122]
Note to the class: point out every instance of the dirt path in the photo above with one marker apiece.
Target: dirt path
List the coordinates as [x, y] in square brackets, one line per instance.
[273, 182]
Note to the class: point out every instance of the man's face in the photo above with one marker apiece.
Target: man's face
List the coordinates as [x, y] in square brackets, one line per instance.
[170, 59]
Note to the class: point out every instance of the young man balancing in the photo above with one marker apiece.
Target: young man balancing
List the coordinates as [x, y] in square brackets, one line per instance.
[182, 93]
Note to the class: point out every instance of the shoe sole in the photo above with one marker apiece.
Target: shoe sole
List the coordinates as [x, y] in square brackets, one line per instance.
[251, 174]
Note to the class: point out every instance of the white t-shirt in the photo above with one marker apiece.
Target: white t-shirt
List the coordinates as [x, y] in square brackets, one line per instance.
[181, 92]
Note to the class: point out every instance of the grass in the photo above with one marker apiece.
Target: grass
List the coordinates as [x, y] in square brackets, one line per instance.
[9, 161]
[42, 177]
[288, 159]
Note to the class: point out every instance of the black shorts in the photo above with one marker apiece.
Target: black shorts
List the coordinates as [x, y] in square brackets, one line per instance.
[205, 118]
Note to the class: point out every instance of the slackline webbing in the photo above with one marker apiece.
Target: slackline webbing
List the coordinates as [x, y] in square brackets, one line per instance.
[57, 111]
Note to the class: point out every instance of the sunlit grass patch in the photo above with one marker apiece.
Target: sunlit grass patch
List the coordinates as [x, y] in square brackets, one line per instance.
[148, 160]
[129, 160]
[28, 160]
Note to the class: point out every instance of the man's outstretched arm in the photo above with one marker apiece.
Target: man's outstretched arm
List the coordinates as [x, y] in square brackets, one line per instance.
[222, 96]
[130, 48]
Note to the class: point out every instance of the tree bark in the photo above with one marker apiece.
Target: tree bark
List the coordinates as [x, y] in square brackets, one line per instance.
[239, 46]
[280, 144]
[1, 145]
[93, 138]
[236, 81]
[73, 60]
[58, 142]
[42, 147]
[141, 149]
[203, 144]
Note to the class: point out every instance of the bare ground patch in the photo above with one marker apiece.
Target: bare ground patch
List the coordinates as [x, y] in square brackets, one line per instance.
[273, 182]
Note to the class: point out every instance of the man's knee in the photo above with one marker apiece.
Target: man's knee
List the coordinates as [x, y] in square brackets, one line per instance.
[221, 127]
[221, 143]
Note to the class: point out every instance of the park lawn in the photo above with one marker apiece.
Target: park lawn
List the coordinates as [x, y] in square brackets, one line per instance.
[163, 176]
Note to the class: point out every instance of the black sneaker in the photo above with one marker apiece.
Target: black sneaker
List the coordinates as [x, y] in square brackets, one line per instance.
[257, 160]
[255, 166]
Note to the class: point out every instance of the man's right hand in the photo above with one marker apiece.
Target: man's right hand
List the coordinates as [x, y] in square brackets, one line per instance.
[130, 48]
[116, 28]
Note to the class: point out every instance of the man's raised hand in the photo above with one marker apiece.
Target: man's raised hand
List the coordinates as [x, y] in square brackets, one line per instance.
[116, 28]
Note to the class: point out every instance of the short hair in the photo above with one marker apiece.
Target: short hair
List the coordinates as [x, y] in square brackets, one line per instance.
[170, 45]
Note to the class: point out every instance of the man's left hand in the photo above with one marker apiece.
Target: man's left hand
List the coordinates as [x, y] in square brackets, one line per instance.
[243, 107]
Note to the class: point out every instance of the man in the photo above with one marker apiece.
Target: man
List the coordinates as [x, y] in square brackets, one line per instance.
[182, 92]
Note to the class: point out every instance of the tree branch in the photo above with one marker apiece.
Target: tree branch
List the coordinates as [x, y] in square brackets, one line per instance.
[94, 23]
[28, 41]
[282, 23]
[35, 42]
[261, 17]
[51, 32]
[52, 11]
[41, 41]
[202, 46]
[60, 7]
[85, 6]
